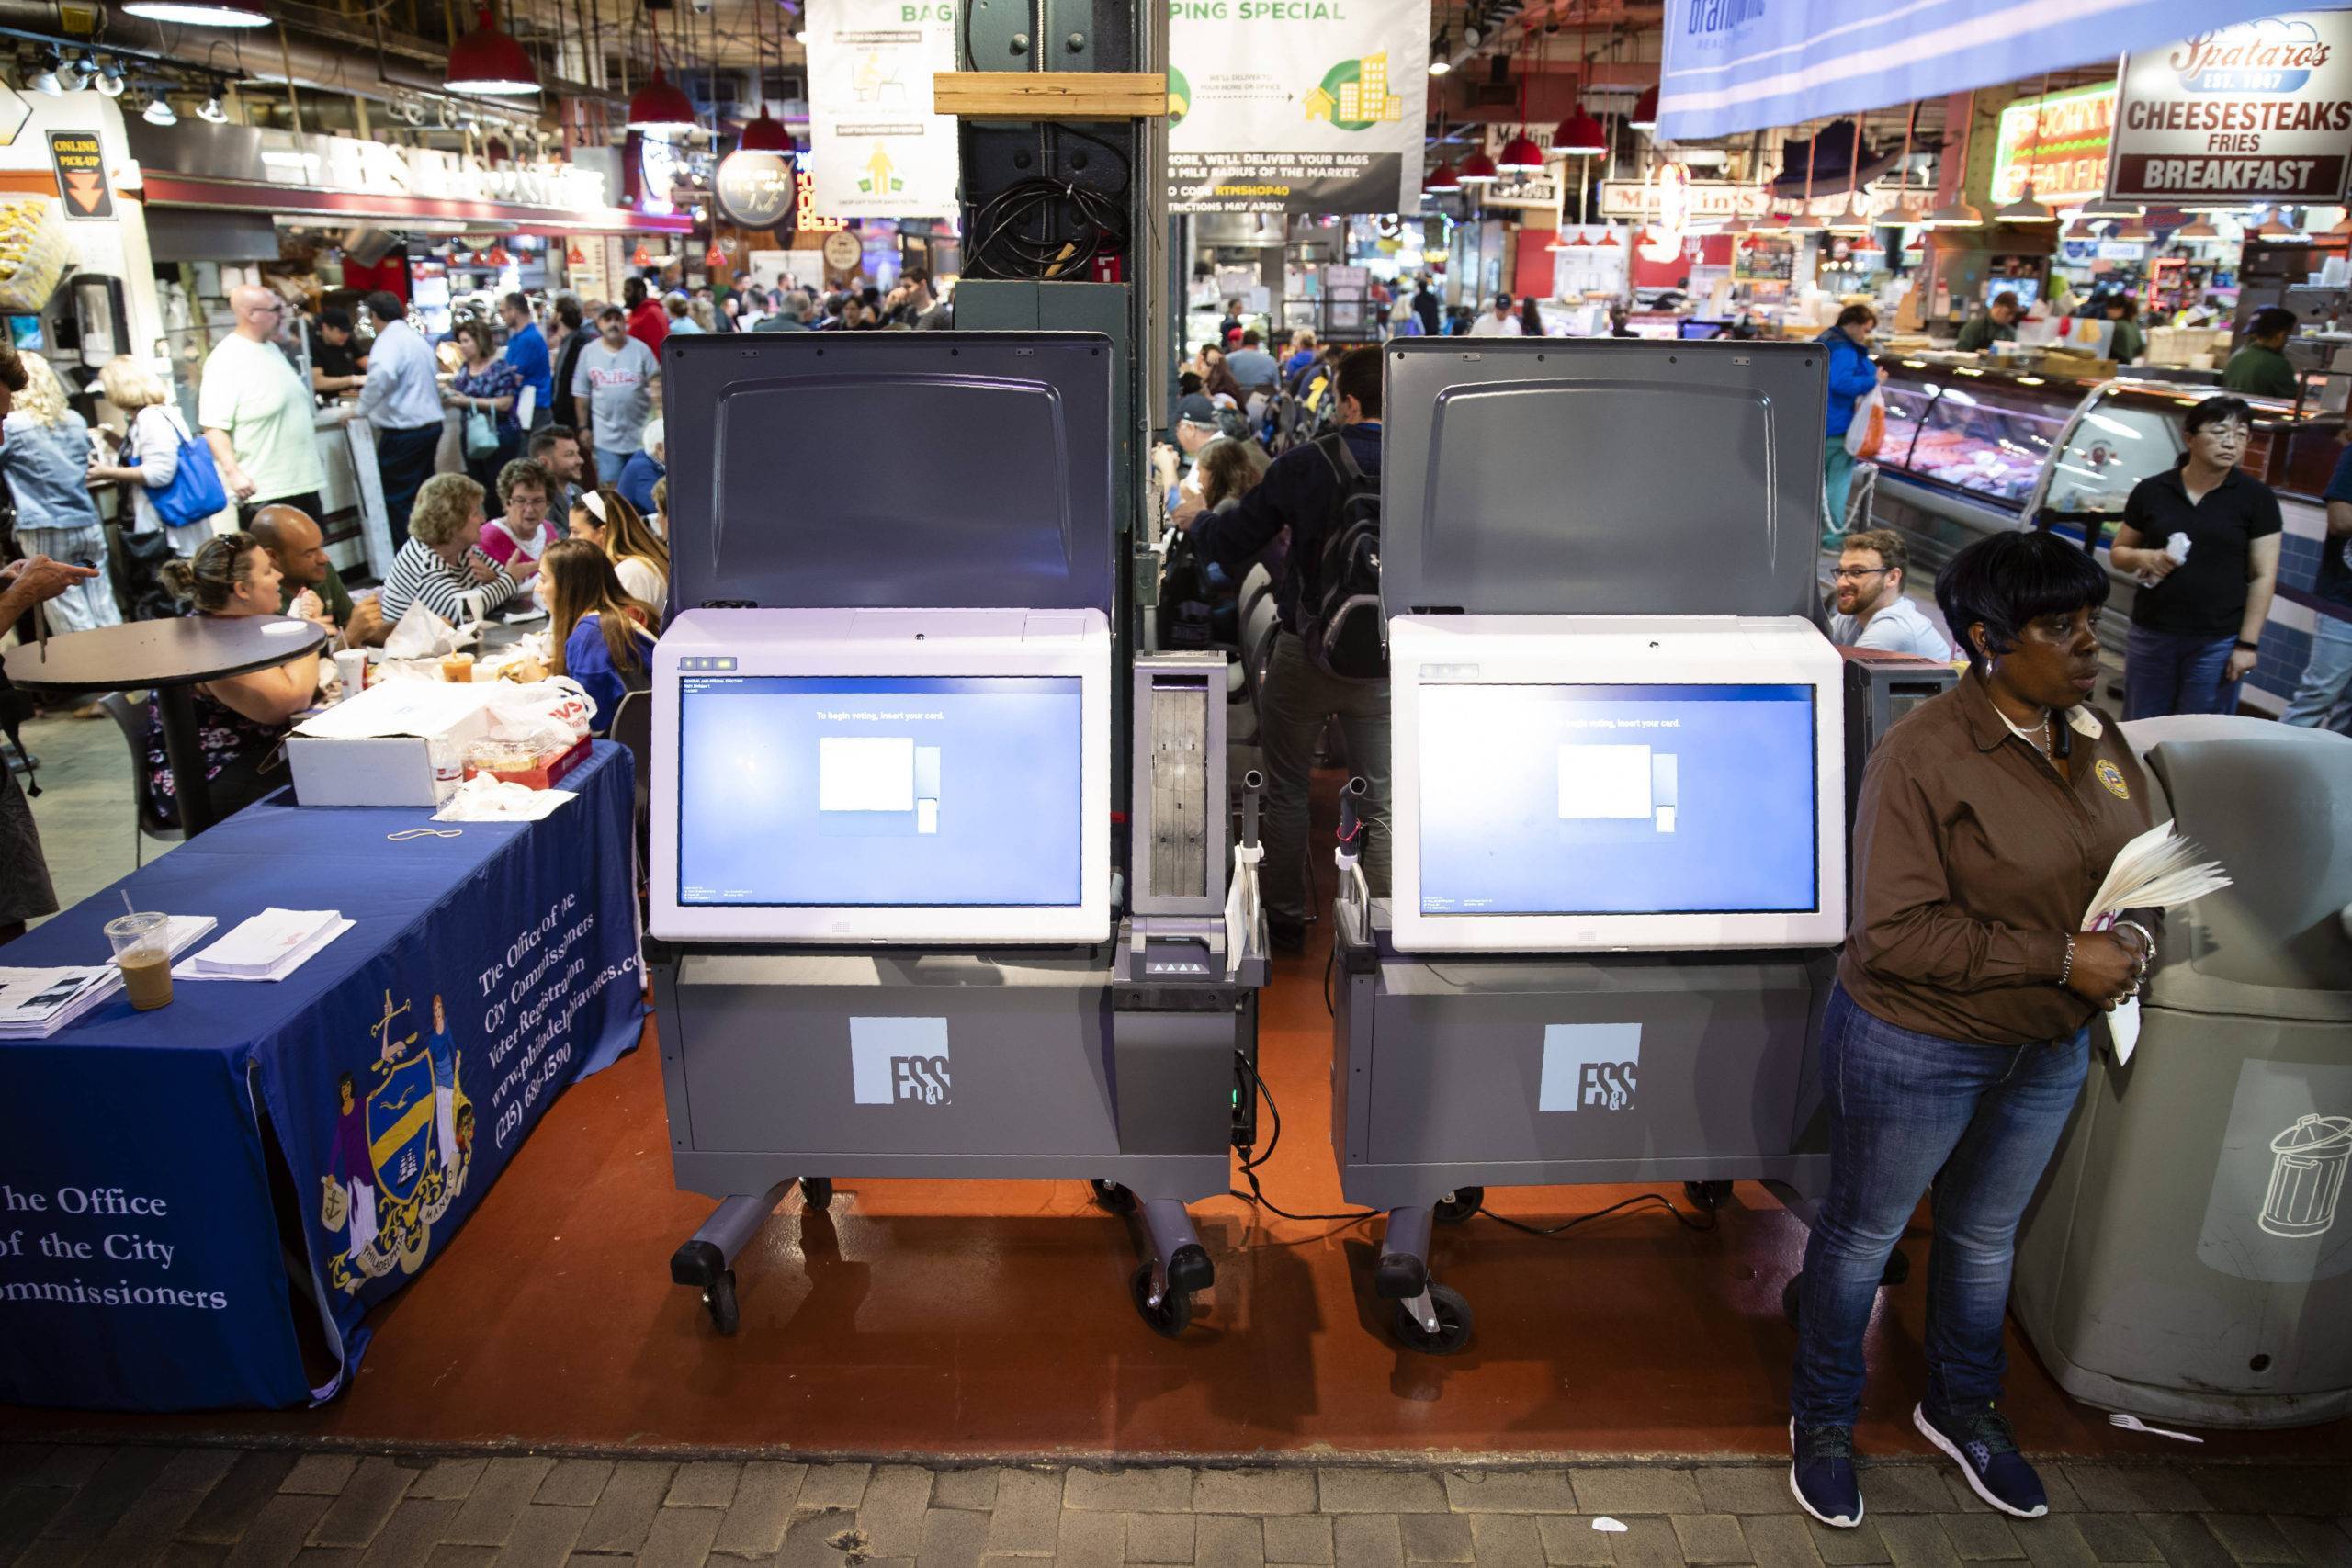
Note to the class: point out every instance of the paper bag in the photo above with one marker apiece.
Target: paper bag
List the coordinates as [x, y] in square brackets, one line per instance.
[421, 634]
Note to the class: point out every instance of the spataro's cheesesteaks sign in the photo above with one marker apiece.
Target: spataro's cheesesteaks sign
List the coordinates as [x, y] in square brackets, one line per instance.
[2258, 112]
[1296, 106]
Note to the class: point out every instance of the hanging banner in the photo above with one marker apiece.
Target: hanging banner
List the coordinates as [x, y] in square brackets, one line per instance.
[1309, 106]
[2057, 144]
[875, 148]
[1736, 65]
[2259, 112]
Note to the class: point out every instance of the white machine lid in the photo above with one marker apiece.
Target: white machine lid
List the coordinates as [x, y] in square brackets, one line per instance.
[1599, 476]
[889, 469]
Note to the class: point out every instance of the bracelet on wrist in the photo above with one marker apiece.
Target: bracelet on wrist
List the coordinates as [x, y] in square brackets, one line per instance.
[2250, 647]
[2066, 970]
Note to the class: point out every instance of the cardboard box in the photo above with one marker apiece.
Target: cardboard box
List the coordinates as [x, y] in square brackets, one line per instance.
[376, 748]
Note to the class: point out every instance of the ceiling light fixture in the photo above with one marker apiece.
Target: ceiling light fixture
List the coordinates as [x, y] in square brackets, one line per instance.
[197, 13]
[1644, 115]
[2199, 227]
[1441, 180]
[213, 112]
[1478, 169]
[1519, 154]
[110, 79]
[45, 77]
[158, 112]
[1580, 135]
[766, 133]
[488, 62]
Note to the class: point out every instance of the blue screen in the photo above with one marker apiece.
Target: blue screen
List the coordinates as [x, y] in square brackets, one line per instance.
[885, 793]
[1620, 800]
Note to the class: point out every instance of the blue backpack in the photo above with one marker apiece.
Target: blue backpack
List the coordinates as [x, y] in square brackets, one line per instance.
[196, 492]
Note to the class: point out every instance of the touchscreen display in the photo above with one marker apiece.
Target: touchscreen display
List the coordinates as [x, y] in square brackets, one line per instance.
[1586, 800]
[889, 792]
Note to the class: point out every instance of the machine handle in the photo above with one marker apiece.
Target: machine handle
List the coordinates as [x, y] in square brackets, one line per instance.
[1350, 823]
[1253, 789]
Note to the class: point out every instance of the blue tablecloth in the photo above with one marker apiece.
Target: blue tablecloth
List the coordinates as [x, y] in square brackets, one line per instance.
[153, 1166]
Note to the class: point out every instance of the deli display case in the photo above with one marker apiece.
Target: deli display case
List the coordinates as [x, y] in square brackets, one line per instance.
[1970, 451]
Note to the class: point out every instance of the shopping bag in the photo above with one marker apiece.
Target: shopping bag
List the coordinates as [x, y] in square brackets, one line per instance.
[1867, 434]
[196, 492]
[481, 432]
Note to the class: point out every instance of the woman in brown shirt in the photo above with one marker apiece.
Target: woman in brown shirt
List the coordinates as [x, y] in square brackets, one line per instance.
[1957, 1038]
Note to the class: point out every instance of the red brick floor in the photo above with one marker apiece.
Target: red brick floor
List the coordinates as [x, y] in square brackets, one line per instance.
[992, 1318]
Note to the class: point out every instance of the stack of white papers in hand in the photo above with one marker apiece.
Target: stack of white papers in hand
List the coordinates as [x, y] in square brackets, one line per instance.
[36, 1003]
[269, 946]
[2158, 870]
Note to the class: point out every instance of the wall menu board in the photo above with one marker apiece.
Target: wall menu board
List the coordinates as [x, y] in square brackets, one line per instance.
[2257, 112]
[1765, 261]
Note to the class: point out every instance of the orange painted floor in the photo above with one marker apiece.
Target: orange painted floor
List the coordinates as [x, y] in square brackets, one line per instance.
[992, 1318]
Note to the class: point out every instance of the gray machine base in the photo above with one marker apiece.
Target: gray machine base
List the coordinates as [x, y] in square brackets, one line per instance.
[1460, 1072]
[792, 1064]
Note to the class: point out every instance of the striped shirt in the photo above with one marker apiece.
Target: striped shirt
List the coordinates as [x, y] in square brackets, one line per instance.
[420, 576]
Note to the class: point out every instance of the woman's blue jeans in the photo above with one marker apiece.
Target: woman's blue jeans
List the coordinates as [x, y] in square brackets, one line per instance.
[1905, 1109]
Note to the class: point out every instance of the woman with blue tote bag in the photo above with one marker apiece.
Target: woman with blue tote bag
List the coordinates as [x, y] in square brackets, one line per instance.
[174, 484]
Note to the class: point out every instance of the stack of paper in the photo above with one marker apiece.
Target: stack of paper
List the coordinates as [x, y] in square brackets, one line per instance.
[269, 946]
[36, 1003]
[2158, 870]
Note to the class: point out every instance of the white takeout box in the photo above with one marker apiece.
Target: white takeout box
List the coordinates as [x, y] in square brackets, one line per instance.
[375, 749]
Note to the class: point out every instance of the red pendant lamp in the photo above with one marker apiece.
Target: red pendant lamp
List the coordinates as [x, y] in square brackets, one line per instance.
[487, 62]
[1644, 115]
[1580, 135]
[765, 134]
[1444, 180]
[1478, 169]
[1519, 154]
[659, 107]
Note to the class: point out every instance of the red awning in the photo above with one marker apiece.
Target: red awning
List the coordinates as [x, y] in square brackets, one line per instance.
[179, 190]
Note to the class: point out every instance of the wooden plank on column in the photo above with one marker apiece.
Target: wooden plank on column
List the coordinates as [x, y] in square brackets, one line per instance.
[1051, 95]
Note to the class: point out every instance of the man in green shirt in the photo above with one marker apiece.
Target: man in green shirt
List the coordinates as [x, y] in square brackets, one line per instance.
[2261, 368]
[298, 547]
[1999, 325]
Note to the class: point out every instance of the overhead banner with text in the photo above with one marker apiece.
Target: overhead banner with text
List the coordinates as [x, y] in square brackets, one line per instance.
[1738, 65]
[875, 148]
[2258, 112]
[1296, 106]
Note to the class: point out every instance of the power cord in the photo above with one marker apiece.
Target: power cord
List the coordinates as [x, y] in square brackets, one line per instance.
[1001, 248]
[1250, 1165]
[1257, 1194]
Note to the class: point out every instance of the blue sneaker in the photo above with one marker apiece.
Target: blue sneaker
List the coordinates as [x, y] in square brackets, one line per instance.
[1821, 1474]
[1980, 1440]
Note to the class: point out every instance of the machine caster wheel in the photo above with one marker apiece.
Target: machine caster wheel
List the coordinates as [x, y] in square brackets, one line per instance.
[1707, 1196]
[1174, 1313]
[817, 1191]
[1457, 1207]
[719, 1297]
[1791, 1293]
[1898, 1270]
[1454, 1323]
[1111, 1198]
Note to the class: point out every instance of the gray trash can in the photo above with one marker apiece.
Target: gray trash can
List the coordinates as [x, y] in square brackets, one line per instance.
[2189, 1257]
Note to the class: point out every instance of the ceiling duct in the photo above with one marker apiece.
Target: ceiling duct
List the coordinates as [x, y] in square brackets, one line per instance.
[368, 246]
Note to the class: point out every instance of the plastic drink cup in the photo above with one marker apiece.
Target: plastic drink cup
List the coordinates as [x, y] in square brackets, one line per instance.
[457, 667]
[145, 962]
[351, 669]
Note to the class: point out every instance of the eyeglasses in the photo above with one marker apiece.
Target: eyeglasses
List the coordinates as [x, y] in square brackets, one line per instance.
[1856, 573]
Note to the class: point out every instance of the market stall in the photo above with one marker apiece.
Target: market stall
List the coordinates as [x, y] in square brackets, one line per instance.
[1970, 451]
